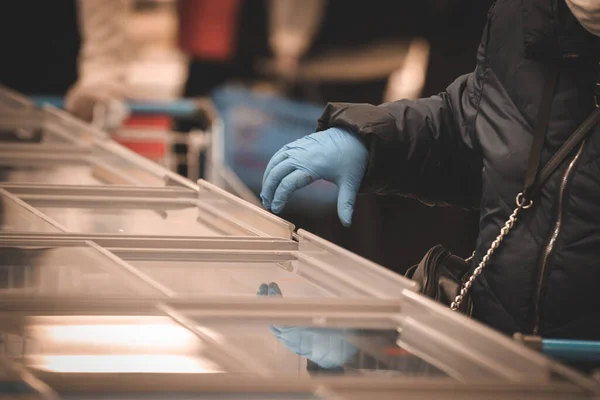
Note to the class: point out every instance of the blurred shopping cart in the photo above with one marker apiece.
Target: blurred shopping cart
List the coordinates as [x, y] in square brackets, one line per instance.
[153, 130]
[585, 354]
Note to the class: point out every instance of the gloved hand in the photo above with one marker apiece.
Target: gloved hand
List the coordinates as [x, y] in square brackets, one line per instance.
[102, 105]
[335, 155]
[328, 348]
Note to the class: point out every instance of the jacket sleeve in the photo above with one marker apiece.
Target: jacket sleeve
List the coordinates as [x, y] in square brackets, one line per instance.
[424, 149]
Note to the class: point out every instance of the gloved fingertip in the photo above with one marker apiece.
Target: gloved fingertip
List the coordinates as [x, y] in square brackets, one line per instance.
[346, 217]
[263, 290]
[276, 207]
[348, 190]
[275, 330]
[274, 289]
[265, 202]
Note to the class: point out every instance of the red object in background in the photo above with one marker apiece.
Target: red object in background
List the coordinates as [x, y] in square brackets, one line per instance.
[149, 121]
[208, 28]
[145, 135]
[153, 150]
[397, 351]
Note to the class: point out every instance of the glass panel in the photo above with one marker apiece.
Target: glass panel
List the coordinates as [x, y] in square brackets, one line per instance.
[12, 100]
[234, 207]
[352, 267]
[169, 219]
[131, 170]
[460, 391]
[242, 278]
[75, 172]
[209, 395]
[59, 270]
[316, 347]
[52, 174]
[52, 165]
[31, 126]
[10, 134]
[16, 218]
[100, 344]
[14, 388]
[285, 347]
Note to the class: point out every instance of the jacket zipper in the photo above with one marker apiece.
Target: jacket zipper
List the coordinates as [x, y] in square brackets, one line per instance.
[552, 240]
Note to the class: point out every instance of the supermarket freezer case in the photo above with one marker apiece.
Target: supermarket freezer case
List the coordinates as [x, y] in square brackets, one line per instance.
[143, 283]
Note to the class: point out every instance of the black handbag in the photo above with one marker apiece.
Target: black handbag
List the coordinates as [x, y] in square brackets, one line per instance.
[447, 278]
[440, 275]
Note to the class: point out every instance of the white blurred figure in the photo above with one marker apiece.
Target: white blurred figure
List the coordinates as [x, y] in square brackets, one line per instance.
[293, 25]
[407, 81]
[99, 93]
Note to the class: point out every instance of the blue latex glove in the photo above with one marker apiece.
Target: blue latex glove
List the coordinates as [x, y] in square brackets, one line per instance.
[328, 348]
[335, 155]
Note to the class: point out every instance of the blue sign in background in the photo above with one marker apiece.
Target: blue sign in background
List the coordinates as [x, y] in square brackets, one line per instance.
[256, 126]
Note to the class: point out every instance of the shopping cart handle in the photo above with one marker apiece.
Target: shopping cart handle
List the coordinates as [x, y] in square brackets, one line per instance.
[563, 349]
[177, 108]
[572, 350]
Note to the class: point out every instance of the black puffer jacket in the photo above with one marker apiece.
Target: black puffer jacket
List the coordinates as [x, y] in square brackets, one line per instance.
[469, 146]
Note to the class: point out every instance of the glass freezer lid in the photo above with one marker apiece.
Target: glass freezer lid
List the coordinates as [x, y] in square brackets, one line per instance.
[80, 270]
[226, 346]
[13, 100]
[13, 385]
[61, 123]
[207, 278]
[137, 169]
[127, 218]
[47, 126]
[122, 344]
[139, 210]
[48, 167]
[459, 390]
[199, 395]
[16, 216]
[397, 344]
[106, 212]
[318, 347]
[267, 347]
[52, 174]
[192, 273]
[230, 277]
[29, 128]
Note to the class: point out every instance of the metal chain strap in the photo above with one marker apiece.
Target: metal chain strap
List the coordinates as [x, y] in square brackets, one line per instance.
[522, 204]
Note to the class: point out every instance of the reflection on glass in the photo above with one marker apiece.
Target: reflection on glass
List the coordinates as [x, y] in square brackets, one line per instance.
[115, 344]
[55, 174]
[122, 364]
[16, 218]
[12, 134]
[346, 349]
[120, 163]
[71, 270]
[127, 219]
[29, 126]
[156, 344]
[216, 277]
[301, 349]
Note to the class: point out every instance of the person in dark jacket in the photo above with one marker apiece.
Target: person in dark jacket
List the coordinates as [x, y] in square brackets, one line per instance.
[469, 146]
